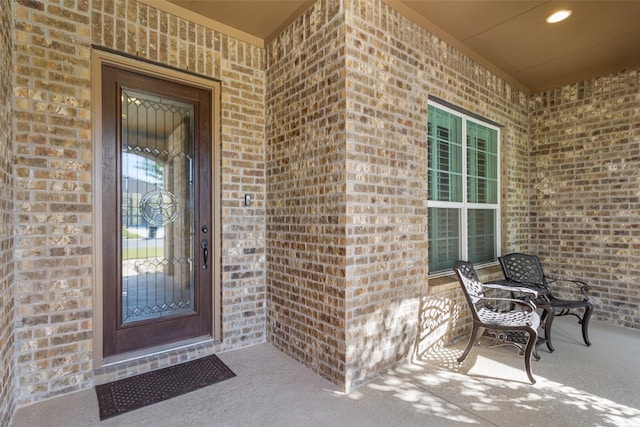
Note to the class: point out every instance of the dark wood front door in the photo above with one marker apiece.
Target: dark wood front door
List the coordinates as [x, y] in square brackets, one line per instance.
[156, 220]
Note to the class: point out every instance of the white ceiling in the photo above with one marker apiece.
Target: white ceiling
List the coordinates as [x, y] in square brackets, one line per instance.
[510, 37]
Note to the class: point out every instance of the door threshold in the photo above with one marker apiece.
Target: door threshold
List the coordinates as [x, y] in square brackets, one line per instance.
[134, 363]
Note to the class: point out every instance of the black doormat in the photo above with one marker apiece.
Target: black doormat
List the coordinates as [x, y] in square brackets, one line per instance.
[125, 395]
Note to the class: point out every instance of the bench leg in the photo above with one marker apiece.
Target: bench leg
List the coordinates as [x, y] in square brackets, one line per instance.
[585, 323]
[472, 340]
[547, 318]
[531, 345]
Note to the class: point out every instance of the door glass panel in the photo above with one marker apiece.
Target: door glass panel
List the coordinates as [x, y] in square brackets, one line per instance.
[157, 212]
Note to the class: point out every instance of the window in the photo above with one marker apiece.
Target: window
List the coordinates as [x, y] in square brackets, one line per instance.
[464, 209]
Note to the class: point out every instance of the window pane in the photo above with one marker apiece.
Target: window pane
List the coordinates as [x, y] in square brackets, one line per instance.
[482, 164]
[444, 238]
[445, 156]
[482, 235]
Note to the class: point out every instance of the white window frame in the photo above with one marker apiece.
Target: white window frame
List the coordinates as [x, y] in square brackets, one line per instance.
[465, 206]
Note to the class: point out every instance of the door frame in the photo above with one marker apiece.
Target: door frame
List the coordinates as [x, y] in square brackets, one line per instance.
[98, 58]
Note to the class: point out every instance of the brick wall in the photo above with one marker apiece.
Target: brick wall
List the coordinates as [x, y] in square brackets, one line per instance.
[346, 200]
[386, 188]
[7, 287]
[346, 170]
[306, 203]
[53, 178]
[52, 129]
[337, 250]
[585, 204]
[393, 66]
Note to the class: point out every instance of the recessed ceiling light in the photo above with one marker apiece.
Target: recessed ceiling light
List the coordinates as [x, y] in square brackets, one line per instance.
[558, 16]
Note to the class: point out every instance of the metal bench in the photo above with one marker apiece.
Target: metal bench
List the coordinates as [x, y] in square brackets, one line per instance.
[511, 321]
[527, 270]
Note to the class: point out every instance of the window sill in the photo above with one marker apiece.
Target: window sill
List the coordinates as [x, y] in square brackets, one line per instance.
[485, 273]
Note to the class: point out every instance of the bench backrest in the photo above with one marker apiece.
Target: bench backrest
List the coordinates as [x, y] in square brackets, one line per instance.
[523, 268]
[471, 285]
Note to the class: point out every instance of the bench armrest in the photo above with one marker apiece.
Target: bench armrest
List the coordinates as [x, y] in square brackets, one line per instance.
[514, 289]
[526, 305]
[584, 288]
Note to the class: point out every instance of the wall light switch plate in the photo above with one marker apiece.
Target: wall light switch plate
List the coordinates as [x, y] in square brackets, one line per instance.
[247, 200]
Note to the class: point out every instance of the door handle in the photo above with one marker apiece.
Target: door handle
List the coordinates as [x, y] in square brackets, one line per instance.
[204, 244]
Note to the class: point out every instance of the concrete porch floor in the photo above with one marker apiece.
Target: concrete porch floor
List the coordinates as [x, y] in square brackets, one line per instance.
[576, 385]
